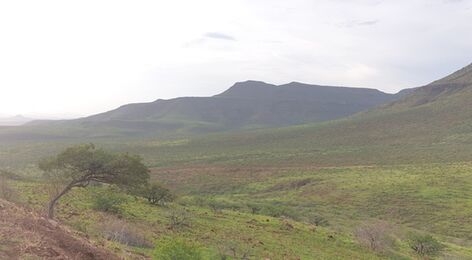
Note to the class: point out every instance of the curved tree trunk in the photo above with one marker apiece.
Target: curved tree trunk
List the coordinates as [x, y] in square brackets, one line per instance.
[53, 202]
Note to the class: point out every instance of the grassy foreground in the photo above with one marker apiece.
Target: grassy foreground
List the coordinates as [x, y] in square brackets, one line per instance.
[217, 232]
[281, 213]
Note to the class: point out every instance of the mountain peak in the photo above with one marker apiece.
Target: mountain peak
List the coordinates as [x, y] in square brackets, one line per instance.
[250, 83]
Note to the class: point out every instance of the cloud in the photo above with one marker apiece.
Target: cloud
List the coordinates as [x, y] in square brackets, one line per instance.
[219, 36]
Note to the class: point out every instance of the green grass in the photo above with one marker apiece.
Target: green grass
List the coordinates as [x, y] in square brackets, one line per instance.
[263, 236]
[434, 198]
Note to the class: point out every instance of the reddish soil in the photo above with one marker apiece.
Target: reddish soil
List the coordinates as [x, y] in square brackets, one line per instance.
[25, 234]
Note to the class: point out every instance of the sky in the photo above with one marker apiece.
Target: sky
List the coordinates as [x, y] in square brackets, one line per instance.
[74, 58]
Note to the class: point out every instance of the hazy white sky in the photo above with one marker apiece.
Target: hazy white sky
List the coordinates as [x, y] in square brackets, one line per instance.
[83, 57]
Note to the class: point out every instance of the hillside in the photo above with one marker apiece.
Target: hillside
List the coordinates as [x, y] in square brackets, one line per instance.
[433, 124]
[246, 105]
[25, 235]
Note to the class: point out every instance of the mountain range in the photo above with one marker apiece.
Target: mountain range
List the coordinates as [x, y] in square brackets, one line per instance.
[433, 114]
[246, 105]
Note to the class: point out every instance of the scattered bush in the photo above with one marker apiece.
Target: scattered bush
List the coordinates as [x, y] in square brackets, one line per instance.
[218, 205]
[232, 250]
[109, 202]
[177, 249]
[318, 220]
[375, 236]
[425, 245]
[278, 212]
[254, 208]
[6, 191]
[157, 194]
[179, 218]
[123, 233]
[290, 185]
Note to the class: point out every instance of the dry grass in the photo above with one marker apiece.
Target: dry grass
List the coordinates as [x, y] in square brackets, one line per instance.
[125, 233]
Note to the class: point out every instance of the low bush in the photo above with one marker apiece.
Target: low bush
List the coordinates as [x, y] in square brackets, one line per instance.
[318, 220]
[156, 194]
[425, 245]
[179, 218]
[124, 233]
[6, 191]
[375, 236]
[177, 249]
[219, 205]
[109, 202]
[231, 250]
[278, 212]
[254, 208]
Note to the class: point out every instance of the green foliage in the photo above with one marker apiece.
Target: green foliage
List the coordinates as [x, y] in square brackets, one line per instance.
[279, 211]
[177, 249]
[6, 191]
[179, 218]
[156, 194]
[319, 221]
[109, 202]
[219, 205]
[83, 164]
[425, 245]
[80, 165]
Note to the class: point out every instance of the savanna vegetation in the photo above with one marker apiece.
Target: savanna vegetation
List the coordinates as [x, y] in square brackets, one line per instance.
[391, 183]
[225, 212]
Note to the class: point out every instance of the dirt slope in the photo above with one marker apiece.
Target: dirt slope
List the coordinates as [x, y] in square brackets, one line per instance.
[26, 235]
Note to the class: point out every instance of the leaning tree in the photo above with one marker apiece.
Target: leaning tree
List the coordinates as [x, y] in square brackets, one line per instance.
[78, 166]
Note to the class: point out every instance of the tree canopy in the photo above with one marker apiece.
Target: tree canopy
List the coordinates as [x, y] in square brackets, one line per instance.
[78, 166]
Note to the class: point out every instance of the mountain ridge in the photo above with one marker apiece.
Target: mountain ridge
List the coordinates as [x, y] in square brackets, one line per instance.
[249, 104]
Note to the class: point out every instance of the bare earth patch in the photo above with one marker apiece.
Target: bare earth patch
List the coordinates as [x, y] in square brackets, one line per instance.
[25, 234]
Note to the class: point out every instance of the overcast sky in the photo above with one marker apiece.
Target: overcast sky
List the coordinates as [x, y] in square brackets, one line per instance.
[63, 58]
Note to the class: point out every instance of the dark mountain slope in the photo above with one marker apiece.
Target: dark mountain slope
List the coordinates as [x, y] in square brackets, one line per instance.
[246, 105]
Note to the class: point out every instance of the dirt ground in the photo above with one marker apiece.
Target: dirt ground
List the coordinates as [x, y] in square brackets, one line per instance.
[26, 235]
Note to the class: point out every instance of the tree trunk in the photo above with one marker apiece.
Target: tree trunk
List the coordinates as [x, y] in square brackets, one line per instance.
[53, 202]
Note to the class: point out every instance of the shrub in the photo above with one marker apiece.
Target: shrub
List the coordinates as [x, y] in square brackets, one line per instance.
[217, 205]
[254, 208]
[109, 202]
[279, 211]
[157, 194]
[375, 236]
[425, 245]
[318, 220]
[6, 192]
[179, 218]
[232, 250]
[123, 233]
[177, 249]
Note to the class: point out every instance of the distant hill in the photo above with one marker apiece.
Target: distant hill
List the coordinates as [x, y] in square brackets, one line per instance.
[431, 124]
[15, 120]
[246, 105]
